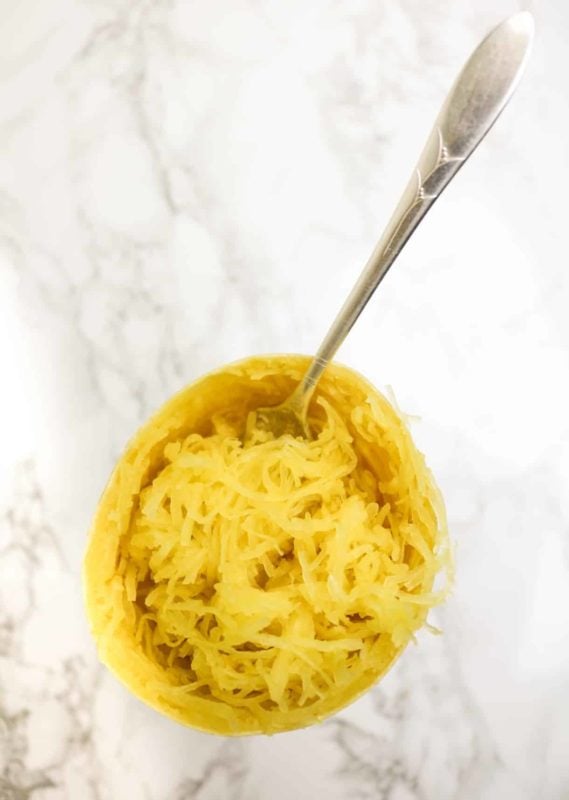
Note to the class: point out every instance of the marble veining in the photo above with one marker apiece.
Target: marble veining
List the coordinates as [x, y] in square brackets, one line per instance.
[186, 183]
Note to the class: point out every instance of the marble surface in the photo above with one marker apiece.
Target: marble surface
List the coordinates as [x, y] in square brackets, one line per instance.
[186, 183]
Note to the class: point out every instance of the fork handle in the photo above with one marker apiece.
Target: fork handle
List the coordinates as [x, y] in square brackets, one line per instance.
[479, 94]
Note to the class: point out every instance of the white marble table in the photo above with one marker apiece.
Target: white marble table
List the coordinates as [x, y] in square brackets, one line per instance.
[185, 183]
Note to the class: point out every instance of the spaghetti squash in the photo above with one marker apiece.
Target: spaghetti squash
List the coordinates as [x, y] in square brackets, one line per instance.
[259, 587]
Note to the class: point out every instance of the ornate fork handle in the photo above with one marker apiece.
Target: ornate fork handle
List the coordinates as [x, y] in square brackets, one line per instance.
[473, 104]
[434, 171]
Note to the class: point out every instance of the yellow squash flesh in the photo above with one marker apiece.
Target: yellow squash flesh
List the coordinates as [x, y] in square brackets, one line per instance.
[258, 588]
